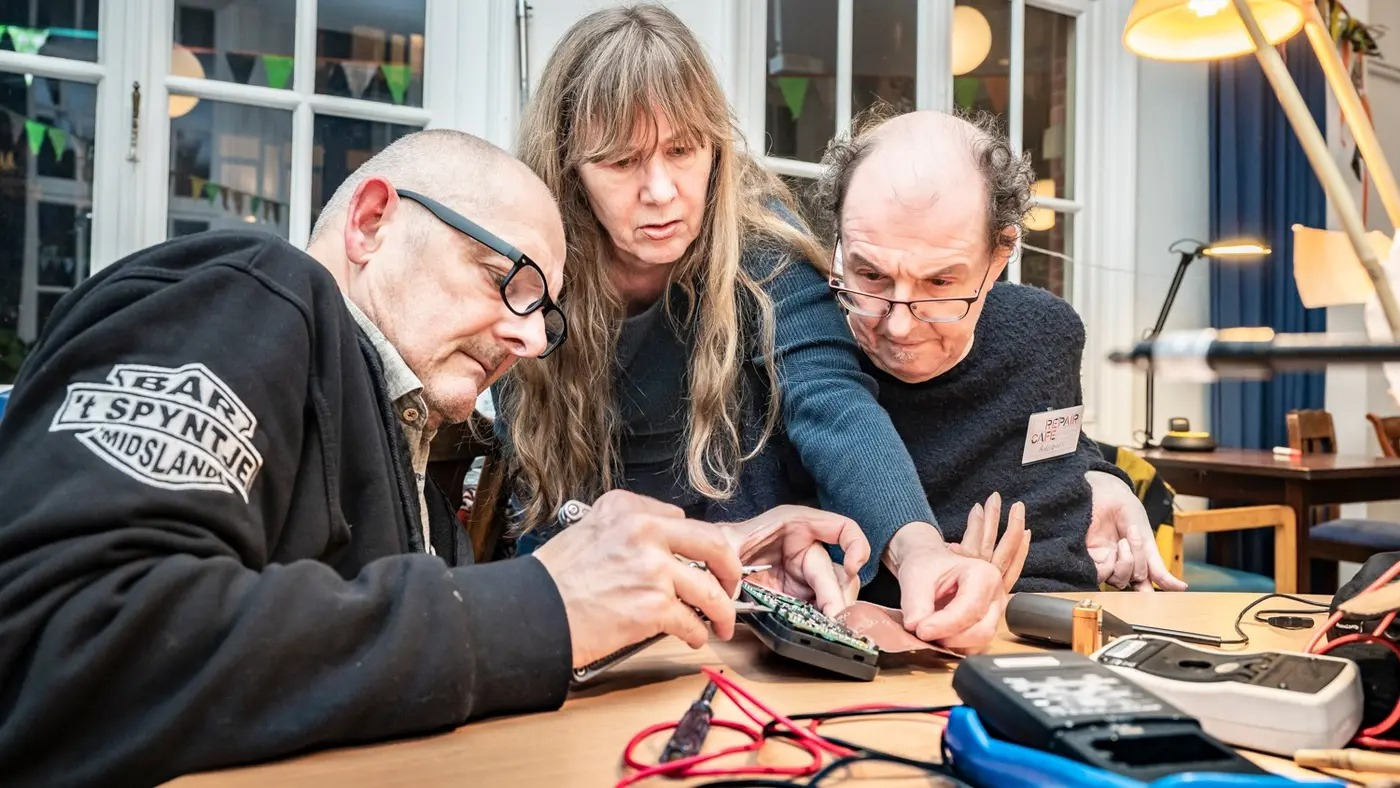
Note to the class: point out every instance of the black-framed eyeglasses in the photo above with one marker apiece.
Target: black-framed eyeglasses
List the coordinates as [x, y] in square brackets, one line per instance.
[929, 310]
[523, 289]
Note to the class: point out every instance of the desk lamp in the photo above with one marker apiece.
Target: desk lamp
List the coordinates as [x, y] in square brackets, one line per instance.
[1216, 29]
[1190, 251]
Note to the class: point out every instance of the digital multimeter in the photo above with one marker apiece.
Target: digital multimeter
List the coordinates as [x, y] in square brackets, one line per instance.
[1272, 701]
[1066, 704]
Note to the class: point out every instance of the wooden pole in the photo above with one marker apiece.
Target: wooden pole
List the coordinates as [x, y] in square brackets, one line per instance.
[1352, 111]
[1333, 184]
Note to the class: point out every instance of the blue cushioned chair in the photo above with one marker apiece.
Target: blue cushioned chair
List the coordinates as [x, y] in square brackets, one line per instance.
[1335, 538]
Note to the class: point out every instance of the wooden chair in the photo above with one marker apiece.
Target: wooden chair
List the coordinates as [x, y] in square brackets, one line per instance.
[1387, 433]
[1171, 528]
[1332, 538]
[1279, 518]
[455, 449]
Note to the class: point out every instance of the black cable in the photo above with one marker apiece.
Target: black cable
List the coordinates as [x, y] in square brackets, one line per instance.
[863, 753]
[1243, 639]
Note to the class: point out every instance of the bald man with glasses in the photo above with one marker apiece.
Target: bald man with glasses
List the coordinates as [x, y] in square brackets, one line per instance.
[980, 377]
[217, 541]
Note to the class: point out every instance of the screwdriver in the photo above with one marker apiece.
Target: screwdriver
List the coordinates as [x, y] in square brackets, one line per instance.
[691, 731]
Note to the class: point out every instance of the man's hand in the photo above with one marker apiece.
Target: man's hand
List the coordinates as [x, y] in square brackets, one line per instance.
[793, 539]
[1120, 539]
[946, 598]
[980, 538]
[617, 573]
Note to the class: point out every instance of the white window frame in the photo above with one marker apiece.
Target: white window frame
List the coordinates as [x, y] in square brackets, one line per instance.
[1105, 161]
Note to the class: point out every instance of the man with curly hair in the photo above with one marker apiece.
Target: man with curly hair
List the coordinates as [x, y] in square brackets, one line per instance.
[924, 211]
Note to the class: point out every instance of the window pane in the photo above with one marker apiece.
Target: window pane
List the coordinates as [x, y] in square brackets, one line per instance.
[884, 50]
[340, 145]
[245, 41]
[1048, 233]
[800, 113]
[66, 28]
[1048, 119]
[370, 51]
[229, 168]
[47, 127]
[981, 55]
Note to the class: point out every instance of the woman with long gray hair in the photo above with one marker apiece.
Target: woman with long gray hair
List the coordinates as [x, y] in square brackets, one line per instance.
[706, 357]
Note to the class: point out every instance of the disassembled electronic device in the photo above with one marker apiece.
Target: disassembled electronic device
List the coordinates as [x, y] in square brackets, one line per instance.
[1069, 705]
[795, 629]
[1271, 701]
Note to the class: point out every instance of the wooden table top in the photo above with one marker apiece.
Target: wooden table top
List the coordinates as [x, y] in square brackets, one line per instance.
[582, 743]
[1266, 463]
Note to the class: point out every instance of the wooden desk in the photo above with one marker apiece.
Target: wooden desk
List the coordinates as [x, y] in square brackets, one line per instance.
[582, 743]
[1251, 476]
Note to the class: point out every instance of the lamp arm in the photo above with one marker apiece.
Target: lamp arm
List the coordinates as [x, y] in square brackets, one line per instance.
[1352, 110]
[1328, 173]
[1186, 258]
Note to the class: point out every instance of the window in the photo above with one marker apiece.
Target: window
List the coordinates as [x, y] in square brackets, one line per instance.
[828, 60]
[266, 121]
[48, 127]
[261, 110]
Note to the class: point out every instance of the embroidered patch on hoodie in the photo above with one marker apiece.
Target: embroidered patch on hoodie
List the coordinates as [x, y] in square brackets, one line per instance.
[176, 428]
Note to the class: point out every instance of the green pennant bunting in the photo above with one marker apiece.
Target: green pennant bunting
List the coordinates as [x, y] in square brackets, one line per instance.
[396, 76]
[197, 186]
[3, 28]
[58, 138]
[28, 40]
[278, 68]
[211, 191]
[255, 205]
[965, 91]
[794, 91]
[36, 131]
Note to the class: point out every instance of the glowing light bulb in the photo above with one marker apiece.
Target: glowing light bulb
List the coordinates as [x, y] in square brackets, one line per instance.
[1204, 8]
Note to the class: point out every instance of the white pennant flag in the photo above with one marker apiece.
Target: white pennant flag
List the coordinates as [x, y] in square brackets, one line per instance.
[358, 75]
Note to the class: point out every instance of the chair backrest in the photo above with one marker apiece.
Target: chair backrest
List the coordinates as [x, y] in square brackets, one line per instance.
[1311, 432]
[1387, 433]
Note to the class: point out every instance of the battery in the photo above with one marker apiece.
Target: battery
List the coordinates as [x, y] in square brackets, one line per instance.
[1087, 634]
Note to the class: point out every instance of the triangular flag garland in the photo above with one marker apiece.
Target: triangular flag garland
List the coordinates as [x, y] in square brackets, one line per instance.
[28, 40]
[357, 76]
[231, 198]
[36, 132]
[278, 68]
[396, 76]
[794, 90]
[58, 138]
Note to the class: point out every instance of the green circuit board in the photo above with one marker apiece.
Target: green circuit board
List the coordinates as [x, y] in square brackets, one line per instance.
[802, 616]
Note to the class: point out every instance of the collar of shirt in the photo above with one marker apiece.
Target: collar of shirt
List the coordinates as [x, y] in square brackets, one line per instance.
[406, 392]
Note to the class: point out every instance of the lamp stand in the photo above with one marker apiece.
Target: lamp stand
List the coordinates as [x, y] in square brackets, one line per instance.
[1186, 258]
[1328, 173]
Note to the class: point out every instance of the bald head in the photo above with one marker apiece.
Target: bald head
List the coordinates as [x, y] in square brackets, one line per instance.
[466, 173]
[917, 158]
[431, 287]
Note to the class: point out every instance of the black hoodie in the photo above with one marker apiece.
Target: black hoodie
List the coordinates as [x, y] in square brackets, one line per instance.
[209, 541]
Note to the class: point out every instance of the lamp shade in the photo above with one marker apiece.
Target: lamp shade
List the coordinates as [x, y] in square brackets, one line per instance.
[1205, 29]
[972, 39]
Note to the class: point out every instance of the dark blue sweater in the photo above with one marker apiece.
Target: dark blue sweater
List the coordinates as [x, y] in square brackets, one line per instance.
[966, 430]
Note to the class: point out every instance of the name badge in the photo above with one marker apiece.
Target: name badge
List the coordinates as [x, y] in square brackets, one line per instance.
[1052, 433]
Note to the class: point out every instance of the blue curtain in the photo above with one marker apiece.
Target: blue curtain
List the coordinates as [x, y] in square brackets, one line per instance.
[1261, 185]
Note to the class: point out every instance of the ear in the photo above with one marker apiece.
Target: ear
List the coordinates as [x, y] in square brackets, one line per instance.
[372, 207]
[1001, 255]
